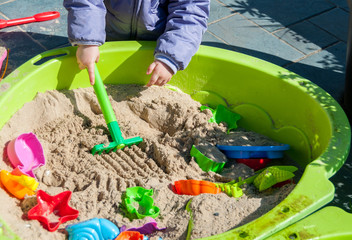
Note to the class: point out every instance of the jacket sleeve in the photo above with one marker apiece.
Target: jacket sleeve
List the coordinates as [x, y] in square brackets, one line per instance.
[86, 21]
[186, 24]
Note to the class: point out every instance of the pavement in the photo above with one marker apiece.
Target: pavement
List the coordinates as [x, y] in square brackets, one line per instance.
[306, 37]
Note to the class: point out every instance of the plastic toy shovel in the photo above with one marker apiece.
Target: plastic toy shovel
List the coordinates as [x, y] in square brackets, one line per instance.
[40, 17]
[118, 141]
[26, 154]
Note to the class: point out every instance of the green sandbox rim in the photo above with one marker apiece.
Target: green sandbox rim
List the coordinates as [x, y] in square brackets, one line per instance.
[330, 223]
[271, 100]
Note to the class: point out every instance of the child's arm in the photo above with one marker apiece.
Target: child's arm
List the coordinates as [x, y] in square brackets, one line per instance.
[187, 22]
[86, 29]
[85, 22]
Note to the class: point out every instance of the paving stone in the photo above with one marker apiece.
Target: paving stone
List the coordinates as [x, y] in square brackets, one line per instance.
[22, 48]
[218, 11]
[343, 189]
[211, 40]
[328, 21]
[326, 69]
[341, 4]
[43, 32]
[247, 38]
[306, 37]
[275, 14]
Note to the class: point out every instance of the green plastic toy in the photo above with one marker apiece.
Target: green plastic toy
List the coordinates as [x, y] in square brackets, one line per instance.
[205, 163]
[233, 188]
[223, 114]
[272, 175]
[262, 179]
[138, 203]
[118, 141]
[190, 221]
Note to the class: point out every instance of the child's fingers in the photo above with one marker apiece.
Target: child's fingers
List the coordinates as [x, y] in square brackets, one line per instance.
[153, 79]
[81, 66]
[160, 75]
[90, 69]
[155, 76]
[164, 82]
[151, 68]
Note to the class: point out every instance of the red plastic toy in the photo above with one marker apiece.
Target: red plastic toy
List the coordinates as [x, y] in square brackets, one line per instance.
[254, 163]
[280, 184]
[57, 205]
[40, 17]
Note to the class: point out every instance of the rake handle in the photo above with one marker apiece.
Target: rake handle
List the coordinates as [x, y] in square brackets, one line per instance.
[103, 98]
[118, 141]
[106, 108]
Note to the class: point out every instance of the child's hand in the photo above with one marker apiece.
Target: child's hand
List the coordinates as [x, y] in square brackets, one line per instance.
[87, 55]
[161, 73]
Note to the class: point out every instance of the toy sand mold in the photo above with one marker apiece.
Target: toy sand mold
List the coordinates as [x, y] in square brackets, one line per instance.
[271, 100]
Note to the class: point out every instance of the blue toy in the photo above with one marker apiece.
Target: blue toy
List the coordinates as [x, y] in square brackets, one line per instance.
[93, 229]
[245, 152]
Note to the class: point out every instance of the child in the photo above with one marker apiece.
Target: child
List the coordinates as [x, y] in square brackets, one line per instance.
[177, 25]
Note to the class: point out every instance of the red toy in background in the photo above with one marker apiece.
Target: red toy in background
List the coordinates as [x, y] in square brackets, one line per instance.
[40, 17]
[254, 163]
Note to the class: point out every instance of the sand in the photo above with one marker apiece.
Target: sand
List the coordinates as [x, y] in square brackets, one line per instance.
[2, 50]
[70, 123]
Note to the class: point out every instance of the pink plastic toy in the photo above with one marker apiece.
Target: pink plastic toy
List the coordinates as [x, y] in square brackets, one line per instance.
[2, 57]
[53, 205]
[26, 154]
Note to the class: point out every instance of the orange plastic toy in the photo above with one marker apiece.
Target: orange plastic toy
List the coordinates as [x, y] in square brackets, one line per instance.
[130, 235]
[19, 186]
[195, 187]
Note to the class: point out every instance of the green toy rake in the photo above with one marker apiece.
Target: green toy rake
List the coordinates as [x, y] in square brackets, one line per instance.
[118, 141]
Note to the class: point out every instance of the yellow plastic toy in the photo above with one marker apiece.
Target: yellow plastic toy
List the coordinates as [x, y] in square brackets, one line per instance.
[19, 186]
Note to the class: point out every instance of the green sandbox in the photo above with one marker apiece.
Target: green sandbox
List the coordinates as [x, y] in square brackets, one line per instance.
[271, 100]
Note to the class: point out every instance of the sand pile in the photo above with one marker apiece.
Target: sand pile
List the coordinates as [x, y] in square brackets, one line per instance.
[70, 123]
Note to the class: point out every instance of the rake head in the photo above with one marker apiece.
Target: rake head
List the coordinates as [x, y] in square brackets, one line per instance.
[114, 146]
[118, 141]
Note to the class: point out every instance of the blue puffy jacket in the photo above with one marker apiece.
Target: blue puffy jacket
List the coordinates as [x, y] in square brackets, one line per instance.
[177, 25]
